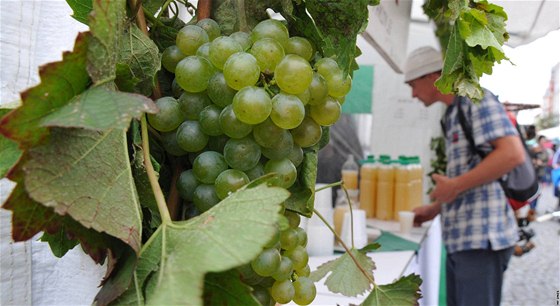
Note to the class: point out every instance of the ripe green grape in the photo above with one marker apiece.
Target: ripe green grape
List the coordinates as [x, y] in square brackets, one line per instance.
[302, 236]
[193, 103]
[169, 143]
[190, 136]
[204, 51]
[274, 242]
[267, 262]
[287, 111]
[170, 57]
[267, 134]
[296, 155]
[300, 46]
[305, 291]
[339, 84]
[268, 53]
[271, 28]
[305, 271]
[211, 27]
[242, 154]
[193, 72]
[298, 254]
[217, 143]
[186, 184]
[326, 67]
[288, 239]
[285, 269]
[318, 90]
[241, 70]
[293, 218]
[208, 165]
[232, 126]
[189, 38]
[286, 172]
[281, 149]
[305, 96]
[205, 197]
[248, 275]
[243, 38]
[326, 114]
[169, 116]
[255, 172]
[210, 120]
[293, 74]
[262, 295]
[307, 134]
[252, 105]
[176, 89]
[218, 90]
[221, 49]
[229, 181]
[282, 291]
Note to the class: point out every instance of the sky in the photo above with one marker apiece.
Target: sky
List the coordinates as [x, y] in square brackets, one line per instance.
[527, 80]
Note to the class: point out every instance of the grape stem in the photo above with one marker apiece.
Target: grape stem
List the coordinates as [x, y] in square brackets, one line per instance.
[242, 16]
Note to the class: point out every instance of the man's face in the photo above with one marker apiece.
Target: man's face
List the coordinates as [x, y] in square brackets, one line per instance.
[423, 89]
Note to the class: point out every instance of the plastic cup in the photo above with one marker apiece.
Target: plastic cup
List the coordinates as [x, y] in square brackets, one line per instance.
[406, 219]
[360, 235]
[320, 240]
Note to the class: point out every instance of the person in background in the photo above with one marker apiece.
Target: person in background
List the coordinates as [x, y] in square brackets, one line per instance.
[478, 226]
[543, 159]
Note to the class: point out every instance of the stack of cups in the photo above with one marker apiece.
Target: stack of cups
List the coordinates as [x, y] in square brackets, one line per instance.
[320, 240]
[359, 226]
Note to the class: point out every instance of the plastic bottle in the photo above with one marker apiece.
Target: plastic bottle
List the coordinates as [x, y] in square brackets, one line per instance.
[403, 182]
[385, 190]
[341, 207]
[368, 186]
[350, 173]
[417, 188]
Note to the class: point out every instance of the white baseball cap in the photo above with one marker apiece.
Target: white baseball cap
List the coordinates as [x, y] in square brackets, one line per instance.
[422, 61]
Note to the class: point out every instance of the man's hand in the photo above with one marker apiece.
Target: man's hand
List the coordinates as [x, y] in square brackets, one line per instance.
[425, 213]
[446, 189]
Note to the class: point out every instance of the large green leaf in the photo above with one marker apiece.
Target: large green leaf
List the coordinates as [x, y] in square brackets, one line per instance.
[175, 260]
[101, 108]
[226, 288]
[404, 291]
[60, 81]
[81, 9]
[8, 150]
[87, 175]
[346, 277]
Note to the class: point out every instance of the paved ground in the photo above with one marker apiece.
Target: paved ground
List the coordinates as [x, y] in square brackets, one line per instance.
[534, 278]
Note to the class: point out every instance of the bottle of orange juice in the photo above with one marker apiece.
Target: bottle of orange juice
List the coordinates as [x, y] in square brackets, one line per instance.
[403, 176]
[417, 188]
[342, 206]
[385, 189]
[350, 171]
[368, 186]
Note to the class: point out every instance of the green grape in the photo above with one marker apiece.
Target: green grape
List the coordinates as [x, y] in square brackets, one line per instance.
[248, 275]
[193, 155]
[205, 197]
[268, 53]
[318, 90]
[252, 105]
[231, 126]
[302, 237]
[208, 165]
[218, 90]
[229, 181]
[282, 291]
[241, 70]
[262, 295]
[339, 84]
[305, 291]
[193, 73]
[288, 239]
[285, 171]
[267, 134]
[267, 262]
[274, 241]
[211, 27]
[271, 28]
[176, 89]
[293, 74]
[190, 136]
[169, 143]
[305, 96]
[170, 57]
[326, 67]
[221, 49]
[293, 218]
[285, 269]
[169, 116]
[267, 282]
[341, 100]
[300, 46]
[189, 38]
[296, 155]
[204, 51]
[298, 254]
[186, 184]
[326, 114]
[210, 120]
[217, 143]
[255, 172]
[307, 134]
[243, 38]
[281, 149]
[242, 154]
[305, 271]
[287, 111]
[193, 103]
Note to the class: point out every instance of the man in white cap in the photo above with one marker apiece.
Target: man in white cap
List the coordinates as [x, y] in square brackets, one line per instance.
[478, 226]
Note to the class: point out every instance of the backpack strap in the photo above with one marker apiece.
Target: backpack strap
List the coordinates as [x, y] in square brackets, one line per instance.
[467, 130]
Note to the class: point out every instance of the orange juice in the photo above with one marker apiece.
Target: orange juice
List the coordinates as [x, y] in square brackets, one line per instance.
[368, 187]
[417, 188]
[385, 191]
[339, 217]
[350, 178]
[402, 183]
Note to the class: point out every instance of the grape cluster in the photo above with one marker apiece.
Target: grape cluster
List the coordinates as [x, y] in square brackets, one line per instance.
[245, 105]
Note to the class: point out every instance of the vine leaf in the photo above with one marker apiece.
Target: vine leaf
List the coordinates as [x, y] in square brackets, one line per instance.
[228, 235]
[8, 150]
[81, 9]
[303, 192]
[226, 288]
[86, 174]
[101, 108]
[404, 291]
[346, 277]
[59, 242]
[60, 81]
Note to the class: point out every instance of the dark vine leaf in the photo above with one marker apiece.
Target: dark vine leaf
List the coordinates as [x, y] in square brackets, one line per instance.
[8, 150]
[164, 32]
[121, 266]
[60, 81]
[81, 9]
[226, 288]
[59, 242]
[101, 108]
[404, 291]
[152, 6]
[87, 175]
[345, 277]
[233, 15]
[303, 192]
[228, 235]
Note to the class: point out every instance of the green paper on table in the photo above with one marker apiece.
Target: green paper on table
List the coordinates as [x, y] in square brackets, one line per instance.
[391, 242]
